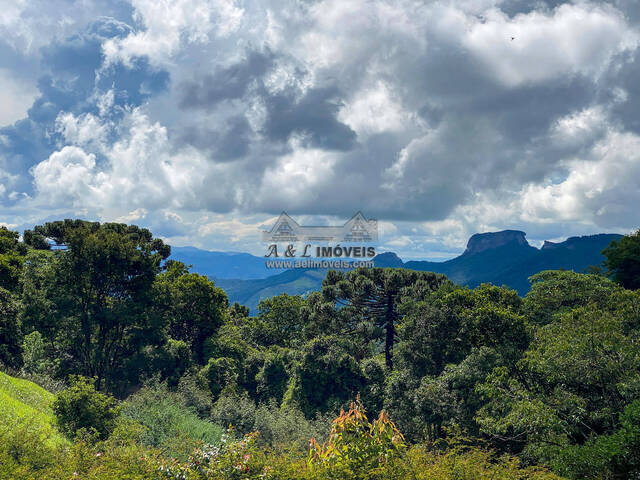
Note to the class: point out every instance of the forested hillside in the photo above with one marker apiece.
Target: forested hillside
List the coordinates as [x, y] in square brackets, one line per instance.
[383, 373]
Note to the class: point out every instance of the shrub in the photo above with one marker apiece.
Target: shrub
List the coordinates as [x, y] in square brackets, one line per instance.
[356, 445]
[235, 409]
[281, 428]
[195, 392]
[356, 450]
[169, 423]
[287, 429]
[81, 408]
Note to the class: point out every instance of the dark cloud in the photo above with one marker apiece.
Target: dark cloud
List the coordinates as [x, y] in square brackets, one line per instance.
[514, 7]
[227, 83]
[626, 109]
[313, 116]
[231, 143]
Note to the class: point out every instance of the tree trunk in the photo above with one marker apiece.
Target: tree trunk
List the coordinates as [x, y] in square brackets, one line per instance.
[390, 333]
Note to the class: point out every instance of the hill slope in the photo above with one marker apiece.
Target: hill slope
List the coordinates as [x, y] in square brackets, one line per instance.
[24, 401]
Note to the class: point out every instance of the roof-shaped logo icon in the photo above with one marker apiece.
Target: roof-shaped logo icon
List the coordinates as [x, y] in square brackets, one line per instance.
[356, 229]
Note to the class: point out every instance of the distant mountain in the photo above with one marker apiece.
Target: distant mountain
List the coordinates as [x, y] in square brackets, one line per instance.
[251, 292]
[243, 266]
[506, 258]
[501, 258]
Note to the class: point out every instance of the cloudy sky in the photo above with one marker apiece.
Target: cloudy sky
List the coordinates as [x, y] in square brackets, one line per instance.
[204, 119]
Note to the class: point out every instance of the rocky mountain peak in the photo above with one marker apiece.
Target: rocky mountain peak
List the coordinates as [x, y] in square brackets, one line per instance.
[486, 241]
[388, 260]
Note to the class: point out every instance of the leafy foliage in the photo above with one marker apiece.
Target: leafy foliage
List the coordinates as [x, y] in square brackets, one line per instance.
[356, 445]
[471, 377]
[10, 331]
[623, 260]
[81, 409]
[169, 422]
[91, 298]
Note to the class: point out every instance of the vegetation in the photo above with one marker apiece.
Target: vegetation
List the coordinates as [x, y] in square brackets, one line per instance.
[26, 405]
[81, 410]
[153, 374]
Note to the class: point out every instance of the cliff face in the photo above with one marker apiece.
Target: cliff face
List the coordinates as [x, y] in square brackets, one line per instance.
[491, 240]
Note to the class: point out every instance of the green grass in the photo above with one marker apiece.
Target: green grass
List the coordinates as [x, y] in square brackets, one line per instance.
[24, 402]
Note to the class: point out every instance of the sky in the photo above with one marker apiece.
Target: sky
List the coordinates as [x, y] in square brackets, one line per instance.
[202, 120]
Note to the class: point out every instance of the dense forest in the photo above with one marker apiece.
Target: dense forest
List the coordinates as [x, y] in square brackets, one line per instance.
[118, 363]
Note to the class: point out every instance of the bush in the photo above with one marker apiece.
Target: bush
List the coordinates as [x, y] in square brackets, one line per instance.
[287, 429]
[281, 428]
[195, 392]
[81, 408]
[356, 446]
[236, 410]
[25, 455]
[169, 423]
[356, 450]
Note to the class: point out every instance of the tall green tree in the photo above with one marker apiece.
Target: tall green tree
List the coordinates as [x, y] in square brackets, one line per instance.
[10, 333]
[366, 300]
[578, 374]
[447, 345]
[280, 321]
[623, 260]
[92, 297]
[554, 292]
[193, 306]
[12, 255]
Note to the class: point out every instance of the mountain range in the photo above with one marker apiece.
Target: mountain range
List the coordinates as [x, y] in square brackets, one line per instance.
[243, 266]
[501, 258]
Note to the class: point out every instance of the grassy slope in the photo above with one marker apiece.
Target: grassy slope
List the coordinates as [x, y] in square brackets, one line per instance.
[22, 401]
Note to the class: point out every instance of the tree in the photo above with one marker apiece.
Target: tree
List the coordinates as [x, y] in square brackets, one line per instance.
[578, 374]
[447, 345]
[623, 260]
[280, 321]
[326, 377]
[367, 300]
[193, 307]
[554, 292]
[10, 334]
[91, 299]
[12, 254]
